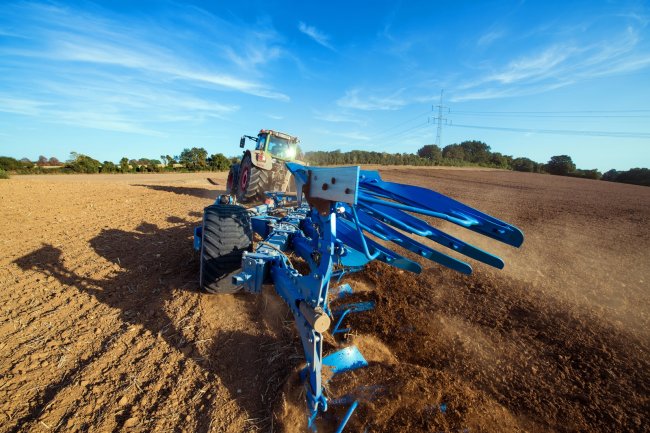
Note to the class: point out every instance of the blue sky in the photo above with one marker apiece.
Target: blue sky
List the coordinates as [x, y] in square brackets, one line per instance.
[141, 79]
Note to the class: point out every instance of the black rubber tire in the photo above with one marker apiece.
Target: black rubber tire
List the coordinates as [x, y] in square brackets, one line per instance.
[227, 233]
[233, 180]
[253, 181]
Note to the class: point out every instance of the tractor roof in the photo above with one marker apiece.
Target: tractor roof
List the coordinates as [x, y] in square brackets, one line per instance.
[280, 134]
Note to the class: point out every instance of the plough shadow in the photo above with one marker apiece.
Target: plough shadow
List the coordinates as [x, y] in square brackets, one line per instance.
[153, 263]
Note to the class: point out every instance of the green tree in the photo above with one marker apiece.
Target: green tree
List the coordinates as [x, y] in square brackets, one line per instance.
[637, 176]
[169, 162]
[586, 174]
[500, 161]
[80, 163]
[26, 163]
[194, 158]
[124, 165]
[152, 165]
[610, 175]
[108, 167]
[523, 164]
[431, 152]
[219, 162]
[8, 163]
[561, 165]
[475, 151]
[453, 151]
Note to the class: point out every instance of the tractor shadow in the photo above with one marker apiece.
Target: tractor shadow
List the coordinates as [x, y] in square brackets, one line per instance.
[184, 190]
[154, 263]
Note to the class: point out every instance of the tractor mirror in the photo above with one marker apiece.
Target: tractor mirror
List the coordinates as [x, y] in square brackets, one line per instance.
[242, 142]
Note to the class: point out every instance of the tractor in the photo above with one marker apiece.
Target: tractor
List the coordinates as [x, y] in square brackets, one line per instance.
[263, 169]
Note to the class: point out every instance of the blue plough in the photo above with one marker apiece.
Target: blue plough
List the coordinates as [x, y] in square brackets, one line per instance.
[326, 224]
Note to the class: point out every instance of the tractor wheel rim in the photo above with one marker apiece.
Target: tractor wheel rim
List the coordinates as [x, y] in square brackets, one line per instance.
[244, 178]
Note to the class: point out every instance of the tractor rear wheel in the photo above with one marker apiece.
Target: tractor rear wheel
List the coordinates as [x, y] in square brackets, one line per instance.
[253, 181]
[226, 235]
[233, 180]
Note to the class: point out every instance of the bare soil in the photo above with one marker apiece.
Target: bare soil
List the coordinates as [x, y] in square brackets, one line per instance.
[104, 328]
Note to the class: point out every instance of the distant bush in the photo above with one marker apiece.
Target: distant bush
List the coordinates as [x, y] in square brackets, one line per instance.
[430, 151]
[79, 163]
[3, 174]
[586, 174]
[561, 165]
[108, 167]
[636, 176]
[218, 162]
[8, 163]
[524, 164]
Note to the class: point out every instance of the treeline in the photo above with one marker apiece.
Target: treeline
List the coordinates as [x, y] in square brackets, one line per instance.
[637, 176]
[194, 159]
[467, 153]
[475, 153]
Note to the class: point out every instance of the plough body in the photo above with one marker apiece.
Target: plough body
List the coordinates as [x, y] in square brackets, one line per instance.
[327, 225]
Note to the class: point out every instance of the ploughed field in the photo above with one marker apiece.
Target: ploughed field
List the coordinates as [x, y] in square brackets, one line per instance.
[104, 329]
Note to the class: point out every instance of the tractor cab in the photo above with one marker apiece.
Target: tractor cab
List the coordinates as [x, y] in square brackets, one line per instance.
[278, 144]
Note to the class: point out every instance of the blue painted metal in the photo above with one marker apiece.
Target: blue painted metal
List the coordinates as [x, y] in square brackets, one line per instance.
[329, 227]
[341, 291]
[198, 235]
[343, 310]
[347, 416]
[345, 360]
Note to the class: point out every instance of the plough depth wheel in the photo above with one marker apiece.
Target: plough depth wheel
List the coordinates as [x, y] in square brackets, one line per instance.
[226, 234]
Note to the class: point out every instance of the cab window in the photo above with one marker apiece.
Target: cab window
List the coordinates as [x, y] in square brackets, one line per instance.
[279, 146]
[261, 142]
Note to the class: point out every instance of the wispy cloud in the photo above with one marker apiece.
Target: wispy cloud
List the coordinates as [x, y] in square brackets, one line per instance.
[16, 105]
[338, 118]
[354, 100]
[318, 36]
[490, 37]
[559, 64]
[81, 118]
[535, 67]
[350, 135]
[117, 73]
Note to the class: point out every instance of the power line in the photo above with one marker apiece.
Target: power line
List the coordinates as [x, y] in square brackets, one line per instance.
[587, 116]
[397, 125]
[554, 111]
[560, 131]
[419, 126]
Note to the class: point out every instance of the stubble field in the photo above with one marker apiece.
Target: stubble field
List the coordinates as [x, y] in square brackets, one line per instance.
[104, 329]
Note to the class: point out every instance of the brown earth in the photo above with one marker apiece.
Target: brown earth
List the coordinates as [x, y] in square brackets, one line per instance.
[104, 329]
